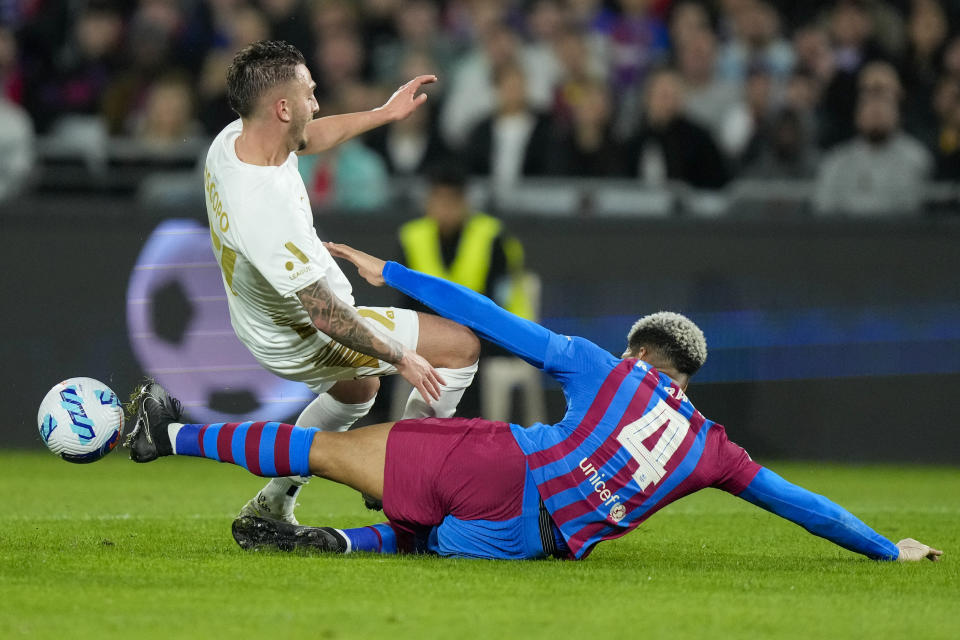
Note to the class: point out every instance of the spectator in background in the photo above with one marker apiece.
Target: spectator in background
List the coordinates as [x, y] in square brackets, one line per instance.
[17, 149]
[639, 41]
[586, 146]
[168, 118]
[246, 26]
[515, 141]
[951, 58]
[757, 43]
[592, 17]
[288, 20]
[594, 20]
[544, 24]
[340, 62]
[471, 97]
[687, 17]
[709, 101]
[787, 151]
[927, 31]
[419, 33]
[209, 25]
[852, 34]
[947, 107]
[814, 56]
[801, 95]
[579, 70]
[669, 146]
[84, 66]
[150, 52]
[743, 130]
[883, 172]
[410, 145]
[11, 74]
[880, 79]
[328, 17]
[378, 25]
[350, 176]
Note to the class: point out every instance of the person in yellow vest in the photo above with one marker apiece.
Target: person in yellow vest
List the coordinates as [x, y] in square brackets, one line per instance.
[471, 248]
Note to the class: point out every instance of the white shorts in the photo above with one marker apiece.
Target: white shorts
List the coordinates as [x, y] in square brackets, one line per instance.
[334, 362]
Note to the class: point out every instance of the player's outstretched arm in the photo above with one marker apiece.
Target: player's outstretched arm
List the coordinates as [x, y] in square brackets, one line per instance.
[326, 133]
[520, 336]
[341, 322]
[825, 518]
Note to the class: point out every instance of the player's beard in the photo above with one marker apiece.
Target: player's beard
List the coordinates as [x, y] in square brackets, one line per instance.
[301, 137]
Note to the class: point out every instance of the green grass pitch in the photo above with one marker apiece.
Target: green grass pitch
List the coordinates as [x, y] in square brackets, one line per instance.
[115, 549]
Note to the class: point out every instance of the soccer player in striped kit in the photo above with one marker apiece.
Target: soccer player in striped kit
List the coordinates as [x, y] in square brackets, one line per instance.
[630, 444]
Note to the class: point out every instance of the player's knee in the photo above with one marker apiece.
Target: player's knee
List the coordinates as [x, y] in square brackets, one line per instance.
[445, 343]
[355, 391]
[469, 347]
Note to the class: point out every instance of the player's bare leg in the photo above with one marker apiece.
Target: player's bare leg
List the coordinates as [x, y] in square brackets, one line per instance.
[356, 459]
[453, 350]
[336, 410]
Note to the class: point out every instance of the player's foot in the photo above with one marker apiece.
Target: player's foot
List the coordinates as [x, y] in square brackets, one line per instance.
[254, 534]
[261, 506]
[152, 409]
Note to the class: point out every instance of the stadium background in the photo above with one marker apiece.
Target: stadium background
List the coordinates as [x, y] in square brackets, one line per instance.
[834, 332]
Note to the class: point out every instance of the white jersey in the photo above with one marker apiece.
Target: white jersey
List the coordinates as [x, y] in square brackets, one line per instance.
[261, 226]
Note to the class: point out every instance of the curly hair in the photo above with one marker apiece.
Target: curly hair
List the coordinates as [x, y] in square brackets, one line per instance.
[672, 336]
[256, 69]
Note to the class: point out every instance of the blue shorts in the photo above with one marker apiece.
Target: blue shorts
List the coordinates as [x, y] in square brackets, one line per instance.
[517, 538]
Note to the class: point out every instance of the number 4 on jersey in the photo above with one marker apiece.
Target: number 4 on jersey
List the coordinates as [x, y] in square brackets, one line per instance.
[653, 461]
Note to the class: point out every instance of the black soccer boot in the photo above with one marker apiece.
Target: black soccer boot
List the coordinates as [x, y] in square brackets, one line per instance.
[254, 534]
[151, 409]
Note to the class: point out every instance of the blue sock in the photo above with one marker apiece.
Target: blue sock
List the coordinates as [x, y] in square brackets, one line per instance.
[269, 449]
[378, 538]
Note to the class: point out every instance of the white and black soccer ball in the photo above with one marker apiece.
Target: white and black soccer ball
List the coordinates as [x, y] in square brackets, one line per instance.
[80, 420]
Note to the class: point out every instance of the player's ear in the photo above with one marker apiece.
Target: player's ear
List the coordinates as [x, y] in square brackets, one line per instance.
[282, 109]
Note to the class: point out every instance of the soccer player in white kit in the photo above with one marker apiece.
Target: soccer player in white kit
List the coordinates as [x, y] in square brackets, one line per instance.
[290, 303]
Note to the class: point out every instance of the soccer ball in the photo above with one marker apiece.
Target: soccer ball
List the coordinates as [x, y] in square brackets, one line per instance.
[80, 420]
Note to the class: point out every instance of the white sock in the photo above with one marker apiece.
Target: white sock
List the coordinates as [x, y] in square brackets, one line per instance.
[172, 430]
[325, 413]
[328, 414]
[457, 382]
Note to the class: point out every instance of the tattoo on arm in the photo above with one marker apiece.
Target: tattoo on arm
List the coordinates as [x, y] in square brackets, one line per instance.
[340, 321]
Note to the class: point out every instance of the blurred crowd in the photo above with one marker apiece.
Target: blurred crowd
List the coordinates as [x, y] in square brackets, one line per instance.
[861, 96]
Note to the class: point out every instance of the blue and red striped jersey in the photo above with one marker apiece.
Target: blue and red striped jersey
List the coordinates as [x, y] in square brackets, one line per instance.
[629, 444]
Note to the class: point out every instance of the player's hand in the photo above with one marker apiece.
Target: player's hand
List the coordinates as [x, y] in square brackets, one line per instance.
[370, 267]
[405, 100]
[418, 372]
[913, 551]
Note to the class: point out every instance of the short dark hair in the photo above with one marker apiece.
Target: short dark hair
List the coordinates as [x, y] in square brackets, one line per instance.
[256, 69]
[671, 336]
[449, 173]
